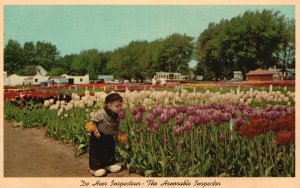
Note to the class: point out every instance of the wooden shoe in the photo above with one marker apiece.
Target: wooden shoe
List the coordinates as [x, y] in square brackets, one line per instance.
[98, 173]
[113, 168]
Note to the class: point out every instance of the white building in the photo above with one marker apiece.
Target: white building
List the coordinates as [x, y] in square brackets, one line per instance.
[14, 80]
[238, 75]
[106, 77]
[168, 75]
[40, 77]
[77, 79]
[35, 80]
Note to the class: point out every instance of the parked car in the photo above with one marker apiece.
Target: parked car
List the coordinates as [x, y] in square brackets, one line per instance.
[43, 84]
[99, 81]
[236, 80]
[290, 77]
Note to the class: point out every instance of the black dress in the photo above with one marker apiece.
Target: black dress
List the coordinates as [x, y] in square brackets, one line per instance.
[102, 150]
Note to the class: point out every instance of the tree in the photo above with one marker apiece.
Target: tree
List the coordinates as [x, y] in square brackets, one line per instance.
[28, 70]
[46, 54]
[65, 63]
[13, 57]
[56, 71]
[128, 62]
[175, 53]
[78, 67]
[91, 59]
[242, 43]
[29, 54]
[286, 52]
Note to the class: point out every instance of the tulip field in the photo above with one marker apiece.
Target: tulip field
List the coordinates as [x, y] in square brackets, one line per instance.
[184, 131]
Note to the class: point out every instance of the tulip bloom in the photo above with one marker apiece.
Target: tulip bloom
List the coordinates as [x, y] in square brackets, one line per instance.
[89, 127]
[190, 110]
[148, 129]
[122, 138]
[135, 110]
[121, 115]
[179, 118]
[247, 131]
[222, 137]
[164, 118]
[283, 138]
[150, 119]
[46, 103]
[141, 109]
[225, 117]
[239, 122]
[138, 117]
[172, 112]
[155, 126]
[191, 119]
[284, 122]
[135, 141]
[217, 118]
[188, 126]
[260, 125]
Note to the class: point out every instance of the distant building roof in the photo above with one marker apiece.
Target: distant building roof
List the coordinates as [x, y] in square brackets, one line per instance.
[260, 72]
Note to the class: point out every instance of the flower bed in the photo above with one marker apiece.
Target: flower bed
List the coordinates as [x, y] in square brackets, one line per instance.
[249, 133]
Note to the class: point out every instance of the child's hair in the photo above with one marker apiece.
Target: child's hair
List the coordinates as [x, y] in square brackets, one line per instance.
[113, 97]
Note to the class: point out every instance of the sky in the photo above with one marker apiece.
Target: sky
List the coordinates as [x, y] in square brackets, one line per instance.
[73, 28]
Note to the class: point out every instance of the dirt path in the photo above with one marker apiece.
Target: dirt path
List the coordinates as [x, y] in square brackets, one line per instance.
[28, 153]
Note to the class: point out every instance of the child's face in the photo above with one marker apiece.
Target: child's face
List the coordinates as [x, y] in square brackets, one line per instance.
[115, 106]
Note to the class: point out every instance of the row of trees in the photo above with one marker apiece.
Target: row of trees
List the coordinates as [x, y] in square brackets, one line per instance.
[246, 42]
[253, 40]
[139, 59]
[21, 60]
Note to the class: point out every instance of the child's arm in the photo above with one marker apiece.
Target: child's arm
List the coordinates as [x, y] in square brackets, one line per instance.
[97, 133]
[96, 119]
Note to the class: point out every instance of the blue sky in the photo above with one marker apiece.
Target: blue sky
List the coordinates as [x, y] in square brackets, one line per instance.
[106, 27]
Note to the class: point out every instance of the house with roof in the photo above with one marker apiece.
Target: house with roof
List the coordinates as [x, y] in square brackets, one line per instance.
[40, 77]
[263, 75]
[40, 70]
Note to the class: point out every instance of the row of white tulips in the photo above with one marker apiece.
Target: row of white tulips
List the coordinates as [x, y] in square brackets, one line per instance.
[149, 99]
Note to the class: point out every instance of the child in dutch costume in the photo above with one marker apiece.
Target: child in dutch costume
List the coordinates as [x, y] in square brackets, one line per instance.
[102, 143]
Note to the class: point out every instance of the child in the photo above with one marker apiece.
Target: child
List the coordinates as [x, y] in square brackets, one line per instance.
[102, 144]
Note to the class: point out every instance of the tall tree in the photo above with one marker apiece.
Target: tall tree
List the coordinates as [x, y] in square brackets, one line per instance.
[13, 57]
[91, 58]
[65, 63]
[243, 43]
[29, 54]
[46, 54]
[285, 54]
[176, 52]
[78, 66]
